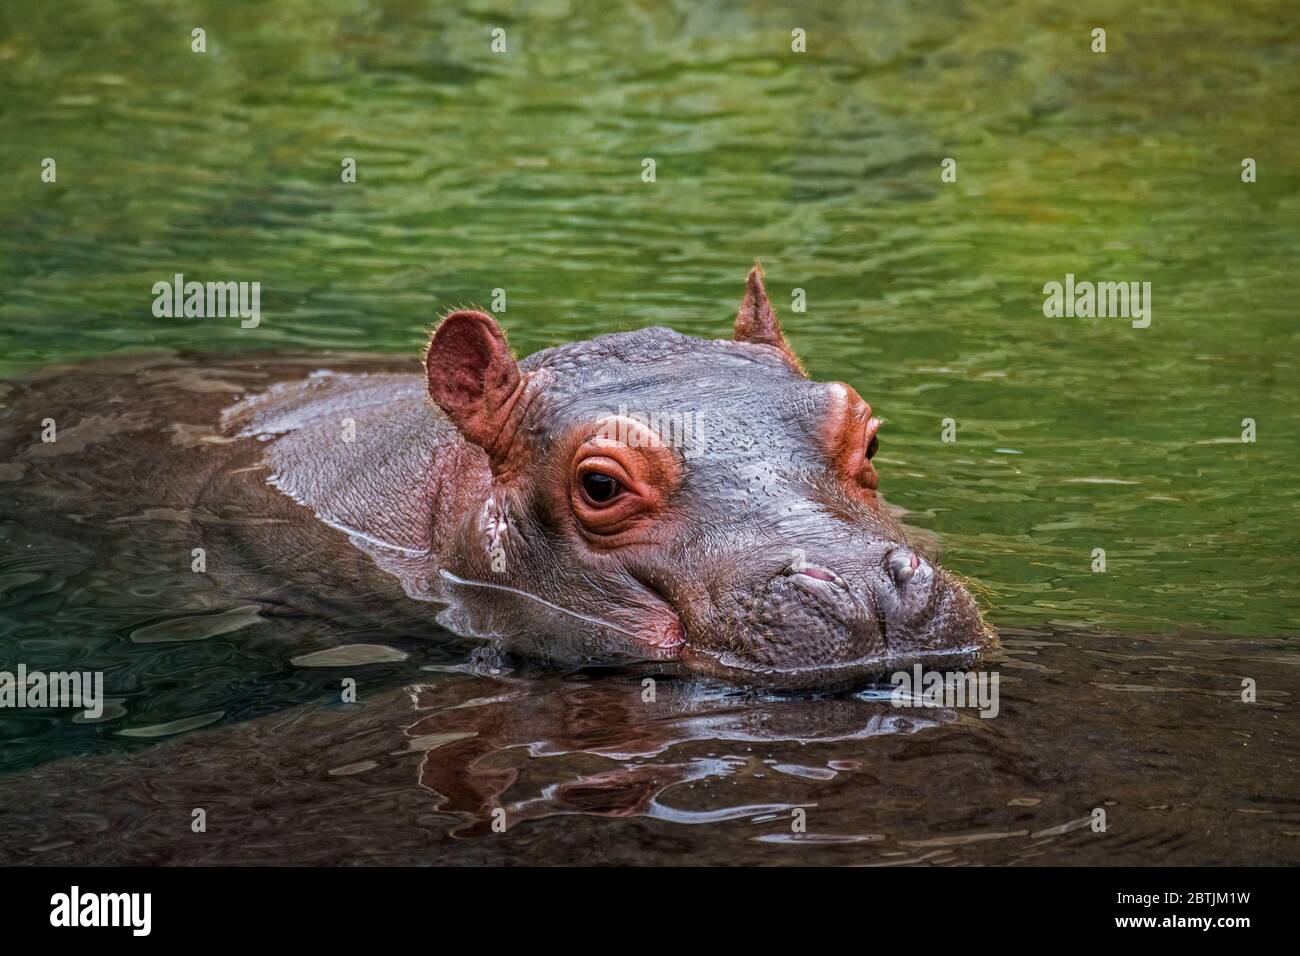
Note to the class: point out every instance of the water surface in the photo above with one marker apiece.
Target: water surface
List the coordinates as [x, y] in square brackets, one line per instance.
[522, 172]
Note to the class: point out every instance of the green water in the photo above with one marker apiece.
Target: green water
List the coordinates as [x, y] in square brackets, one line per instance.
[522, 171]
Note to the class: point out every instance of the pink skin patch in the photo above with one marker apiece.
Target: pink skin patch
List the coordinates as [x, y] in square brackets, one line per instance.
[665, 635]
[817, 573]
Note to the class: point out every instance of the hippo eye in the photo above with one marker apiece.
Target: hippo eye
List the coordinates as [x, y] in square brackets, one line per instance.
[600, 488]
[616, 487]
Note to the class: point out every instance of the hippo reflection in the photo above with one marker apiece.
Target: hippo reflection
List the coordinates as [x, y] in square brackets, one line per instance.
[466, 735]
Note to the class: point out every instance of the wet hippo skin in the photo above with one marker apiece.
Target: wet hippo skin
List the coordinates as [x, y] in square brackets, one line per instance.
[638, 496]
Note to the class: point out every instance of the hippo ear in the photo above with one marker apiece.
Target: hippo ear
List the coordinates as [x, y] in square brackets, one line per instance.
[475, 379]
[756, 322]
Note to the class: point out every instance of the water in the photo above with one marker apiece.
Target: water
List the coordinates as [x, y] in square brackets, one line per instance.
[523, 172]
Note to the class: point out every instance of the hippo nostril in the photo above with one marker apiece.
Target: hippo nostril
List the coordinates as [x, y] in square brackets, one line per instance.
[903, 564]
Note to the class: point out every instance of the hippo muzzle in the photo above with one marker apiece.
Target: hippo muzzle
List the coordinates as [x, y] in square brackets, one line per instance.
[811, 625]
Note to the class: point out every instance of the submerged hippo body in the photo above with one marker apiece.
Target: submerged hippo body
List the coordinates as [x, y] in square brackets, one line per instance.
[642, 495]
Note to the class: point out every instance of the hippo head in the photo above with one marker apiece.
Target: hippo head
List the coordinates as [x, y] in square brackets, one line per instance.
[651, 495]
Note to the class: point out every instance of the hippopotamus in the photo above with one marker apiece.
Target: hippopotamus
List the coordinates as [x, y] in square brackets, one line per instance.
[644, 495]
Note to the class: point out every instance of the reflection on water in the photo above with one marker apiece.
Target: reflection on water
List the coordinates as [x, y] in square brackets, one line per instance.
[1121, 690]
[615, 719]
[585, 769]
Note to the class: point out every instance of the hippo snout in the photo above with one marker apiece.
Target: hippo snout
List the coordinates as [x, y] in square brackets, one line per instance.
[811, 616]
[811, 621]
